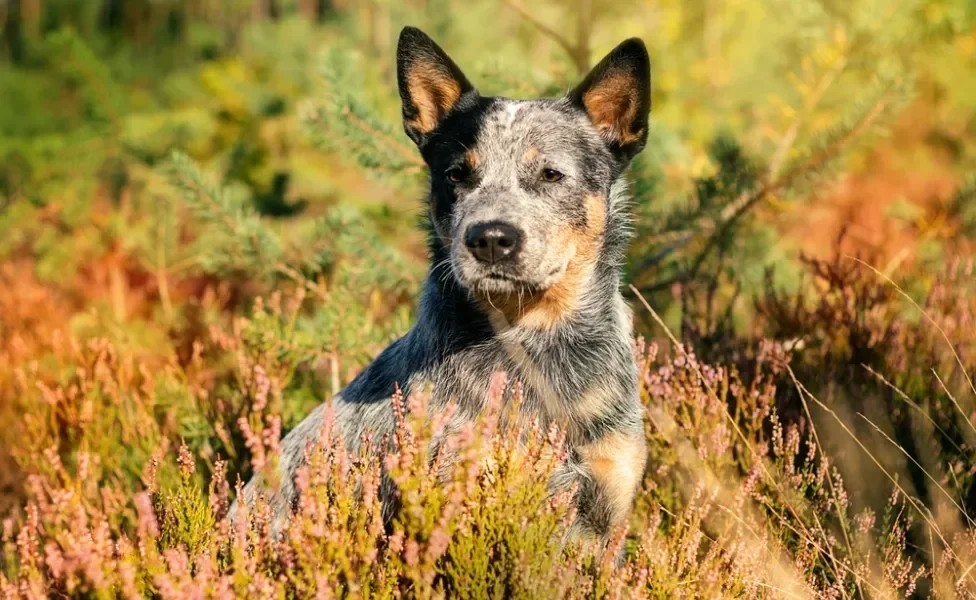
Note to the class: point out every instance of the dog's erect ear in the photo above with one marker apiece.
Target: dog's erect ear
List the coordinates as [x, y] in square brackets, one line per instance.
[616, 95]
[431, 85]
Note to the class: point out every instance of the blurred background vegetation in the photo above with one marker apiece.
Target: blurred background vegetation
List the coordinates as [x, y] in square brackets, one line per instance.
[165, 164]
[777, 124]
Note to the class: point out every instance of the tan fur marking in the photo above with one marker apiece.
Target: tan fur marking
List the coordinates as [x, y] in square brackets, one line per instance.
[536, 311]
[616, 463]
[530, 154]
[472, 159]
[433, 92]
[546, 309]
[593, 403]
[612, 105]
[543, 310]
[596, 215]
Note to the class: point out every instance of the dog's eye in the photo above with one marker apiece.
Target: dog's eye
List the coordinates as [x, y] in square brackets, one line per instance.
[551, 175]
[456, 174]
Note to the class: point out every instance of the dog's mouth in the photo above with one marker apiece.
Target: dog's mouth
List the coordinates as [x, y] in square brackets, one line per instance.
[505, 283]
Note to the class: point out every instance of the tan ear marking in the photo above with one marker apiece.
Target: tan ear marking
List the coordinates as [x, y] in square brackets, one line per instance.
[433, 93]
[612, 105]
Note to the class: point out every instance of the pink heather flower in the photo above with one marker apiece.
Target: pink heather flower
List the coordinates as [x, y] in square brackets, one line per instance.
[147, 515]
[439, 541]
[496, 386]
[127, 572]
[185, 461]
[262, 384]
[411, 553]
[253, 443]
[54, 559]
[149, 477]
[271, 436]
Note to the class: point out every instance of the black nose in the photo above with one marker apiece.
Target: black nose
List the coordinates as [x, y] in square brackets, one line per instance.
[493, 242]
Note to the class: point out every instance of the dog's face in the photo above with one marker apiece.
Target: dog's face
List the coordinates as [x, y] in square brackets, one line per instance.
[520, 190]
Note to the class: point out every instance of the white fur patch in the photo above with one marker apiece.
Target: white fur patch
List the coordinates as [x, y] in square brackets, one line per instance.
[511, 111]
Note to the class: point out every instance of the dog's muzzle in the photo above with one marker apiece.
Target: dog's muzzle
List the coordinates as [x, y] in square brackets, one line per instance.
[494, 242]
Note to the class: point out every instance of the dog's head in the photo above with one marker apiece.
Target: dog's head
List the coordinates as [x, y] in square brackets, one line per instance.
[521, 201]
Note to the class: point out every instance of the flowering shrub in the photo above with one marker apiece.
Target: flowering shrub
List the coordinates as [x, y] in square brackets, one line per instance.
[131, 466]
[162, 324]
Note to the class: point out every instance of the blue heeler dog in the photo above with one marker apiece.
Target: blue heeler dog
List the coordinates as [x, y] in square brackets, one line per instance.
[528, 224]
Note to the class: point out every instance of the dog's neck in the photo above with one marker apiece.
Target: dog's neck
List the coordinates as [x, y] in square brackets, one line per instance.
[559, 367]
[447, 306]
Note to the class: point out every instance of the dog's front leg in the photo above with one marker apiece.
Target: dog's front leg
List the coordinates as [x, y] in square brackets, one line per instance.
[610, 471]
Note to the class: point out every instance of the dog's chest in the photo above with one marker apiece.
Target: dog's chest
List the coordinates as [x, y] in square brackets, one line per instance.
[565, 384]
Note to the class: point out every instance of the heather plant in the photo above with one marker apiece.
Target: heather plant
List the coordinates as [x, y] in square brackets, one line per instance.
[184, 543]
[735, 503]
[909, 382]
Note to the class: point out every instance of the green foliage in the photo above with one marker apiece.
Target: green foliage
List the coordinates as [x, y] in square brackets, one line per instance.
[186, 520]
[345, 125]
[236, 236]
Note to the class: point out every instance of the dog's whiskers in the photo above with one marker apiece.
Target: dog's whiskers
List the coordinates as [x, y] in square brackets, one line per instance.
[488, 296]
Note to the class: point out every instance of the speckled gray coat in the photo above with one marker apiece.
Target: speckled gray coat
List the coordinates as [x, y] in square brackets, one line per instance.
[550, 315]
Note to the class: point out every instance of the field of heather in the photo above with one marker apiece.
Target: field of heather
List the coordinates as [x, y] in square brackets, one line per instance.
[210, 224]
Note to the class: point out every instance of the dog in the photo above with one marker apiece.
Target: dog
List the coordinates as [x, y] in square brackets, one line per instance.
[528, 223]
